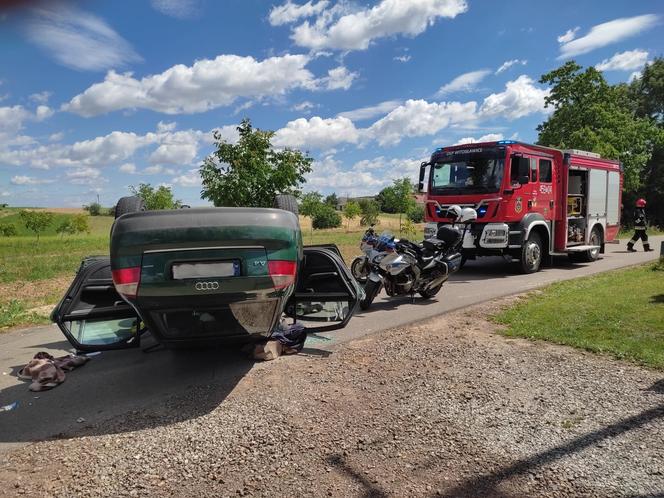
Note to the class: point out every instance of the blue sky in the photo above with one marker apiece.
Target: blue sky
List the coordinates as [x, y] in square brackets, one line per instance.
[96, 96]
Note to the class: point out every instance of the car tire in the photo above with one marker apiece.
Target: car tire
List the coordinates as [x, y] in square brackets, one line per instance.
[287, 203]
[129, 204]
[532, 254]
[594, 240]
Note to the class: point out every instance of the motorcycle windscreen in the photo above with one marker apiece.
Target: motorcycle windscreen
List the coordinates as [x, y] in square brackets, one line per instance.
[326, 294]
[92, 315]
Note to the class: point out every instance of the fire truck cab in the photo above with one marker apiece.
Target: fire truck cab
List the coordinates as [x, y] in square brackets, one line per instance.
[533, 202]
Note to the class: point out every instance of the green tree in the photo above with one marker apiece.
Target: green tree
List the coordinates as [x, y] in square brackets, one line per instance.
[416, 213]
[647, 94]
[398, 198]
[326, 217]
[590, 114]
[370, 211]
[156, 198]
[351, 210]
[251, 172]
[332, 200]
[36, 221]
[310, 203]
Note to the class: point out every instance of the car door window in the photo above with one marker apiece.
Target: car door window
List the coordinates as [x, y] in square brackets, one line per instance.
[92, 315]
[326, 294]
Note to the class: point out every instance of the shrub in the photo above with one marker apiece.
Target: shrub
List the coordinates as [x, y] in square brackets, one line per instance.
[80, 223]
[94, 209]
[8, 230]
[326, 217]
[36, 221]
[416, 214]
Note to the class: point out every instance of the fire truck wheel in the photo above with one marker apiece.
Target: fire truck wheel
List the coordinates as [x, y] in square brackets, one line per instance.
[595, 240]
[531, 254]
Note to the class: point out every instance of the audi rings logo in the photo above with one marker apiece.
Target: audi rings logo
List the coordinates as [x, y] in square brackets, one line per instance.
[206, 286]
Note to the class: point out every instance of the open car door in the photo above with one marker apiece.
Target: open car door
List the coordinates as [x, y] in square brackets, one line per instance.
[326, 294]
[92, 315]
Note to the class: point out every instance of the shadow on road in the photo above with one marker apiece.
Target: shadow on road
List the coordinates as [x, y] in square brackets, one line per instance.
[115, 383]
[487, 484]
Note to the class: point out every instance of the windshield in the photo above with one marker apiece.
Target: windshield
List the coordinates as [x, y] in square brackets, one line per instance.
[456, 173]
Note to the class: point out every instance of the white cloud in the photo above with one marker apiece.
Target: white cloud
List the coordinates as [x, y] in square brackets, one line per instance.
[56, 137]
[84, 176]
[12, 118]
[77, 39]
[175, 153]
[291, 12]
[624, 61]
[43, 112]
[316, 133]
[464, 83]
[420, 118]
[520, 98]
[607, 33]
[568, 36]
[115, 147]
[41, 97]
[207, 84]
[371, 111]
[179, 9]
[191, 178]
[339, 78]
[153, 170]
[343, 30]
[129, 168]
[28, 180]
[402, 58]
[305, 106]
[163, 127]
[489, 137]
[508, 64]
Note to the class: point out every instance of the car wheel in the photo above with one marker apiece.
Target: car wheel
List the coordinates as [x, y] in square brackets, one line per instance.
[595, 240]
[129, 204]
[532, 253]
[287, 203]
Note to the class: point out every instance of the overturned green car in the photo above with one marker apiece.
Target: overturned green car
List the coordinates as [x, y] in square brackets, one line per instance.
[206, 275]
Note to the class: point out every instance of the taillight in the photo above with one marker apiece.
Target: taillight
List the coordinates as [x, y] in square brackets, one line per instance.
[282, 273]
[126, 280]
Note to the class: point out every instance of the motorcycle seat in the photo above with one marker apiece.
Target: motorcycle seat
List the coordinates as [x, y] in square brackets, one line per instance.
[434, 245]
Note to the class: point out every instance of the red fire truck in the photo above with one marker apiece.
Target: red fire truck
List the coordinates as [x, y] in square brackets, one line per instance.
[533, 202]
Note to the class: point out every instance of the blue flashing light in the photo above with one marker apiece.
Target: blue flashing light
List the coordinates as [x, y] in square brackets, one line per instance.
[481, 211]
[506, 142]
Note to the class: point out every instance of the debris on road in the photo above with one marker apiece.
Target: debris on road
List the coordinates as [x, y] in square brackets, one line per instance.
[47, 372]
[9, 407]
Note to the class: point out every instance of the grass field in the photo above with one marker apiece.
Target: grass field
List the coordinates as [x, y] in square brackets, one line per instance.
[620, 313]
[35, 274]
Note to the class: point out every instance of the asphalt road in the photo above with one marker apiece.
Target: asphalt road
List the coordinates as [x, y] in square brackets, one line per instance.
[132, 381]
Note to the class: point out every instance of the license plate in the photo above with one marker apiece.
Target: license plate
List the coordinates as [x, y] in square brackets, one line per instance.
[183, 271]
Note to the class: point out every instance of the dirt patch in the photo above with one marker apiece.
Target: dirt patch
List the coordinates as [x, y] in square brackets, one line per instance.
[35, 292]
[443, 408]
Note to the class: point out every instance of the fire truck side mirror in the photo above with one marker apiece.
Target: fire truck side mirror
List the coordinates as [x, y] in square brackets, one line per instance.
[523, 180]
[423, 170]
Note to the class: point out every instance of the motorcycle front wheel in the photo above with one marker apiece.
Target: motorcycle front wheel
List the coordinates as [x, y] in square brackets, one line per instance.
[429, 293]
[371, 290]
[359, 269]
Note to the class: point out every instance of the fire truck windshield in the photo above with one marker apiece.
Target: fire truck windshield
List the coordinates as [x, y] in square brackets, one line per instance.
[457, 172]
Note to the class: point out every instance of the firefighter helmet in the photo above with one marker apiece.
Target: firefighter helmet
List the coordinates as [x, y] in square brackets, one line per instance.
[641, 203]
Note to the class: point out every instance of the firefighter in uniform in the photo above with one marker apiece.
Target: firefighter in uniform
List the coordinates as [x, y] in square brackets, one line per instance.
[640, 226]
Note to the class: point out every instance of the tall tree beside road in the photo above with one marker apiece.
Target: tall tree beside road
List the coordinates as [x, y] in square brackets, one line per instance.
[332, 200]
[647, 94]
[590, 114]
[351, 210]
[250, 172]
[156, 198]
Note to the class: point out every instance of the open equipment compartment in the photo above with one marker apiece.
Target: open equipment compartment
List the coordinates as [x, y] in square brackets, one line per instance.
[577, 206]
